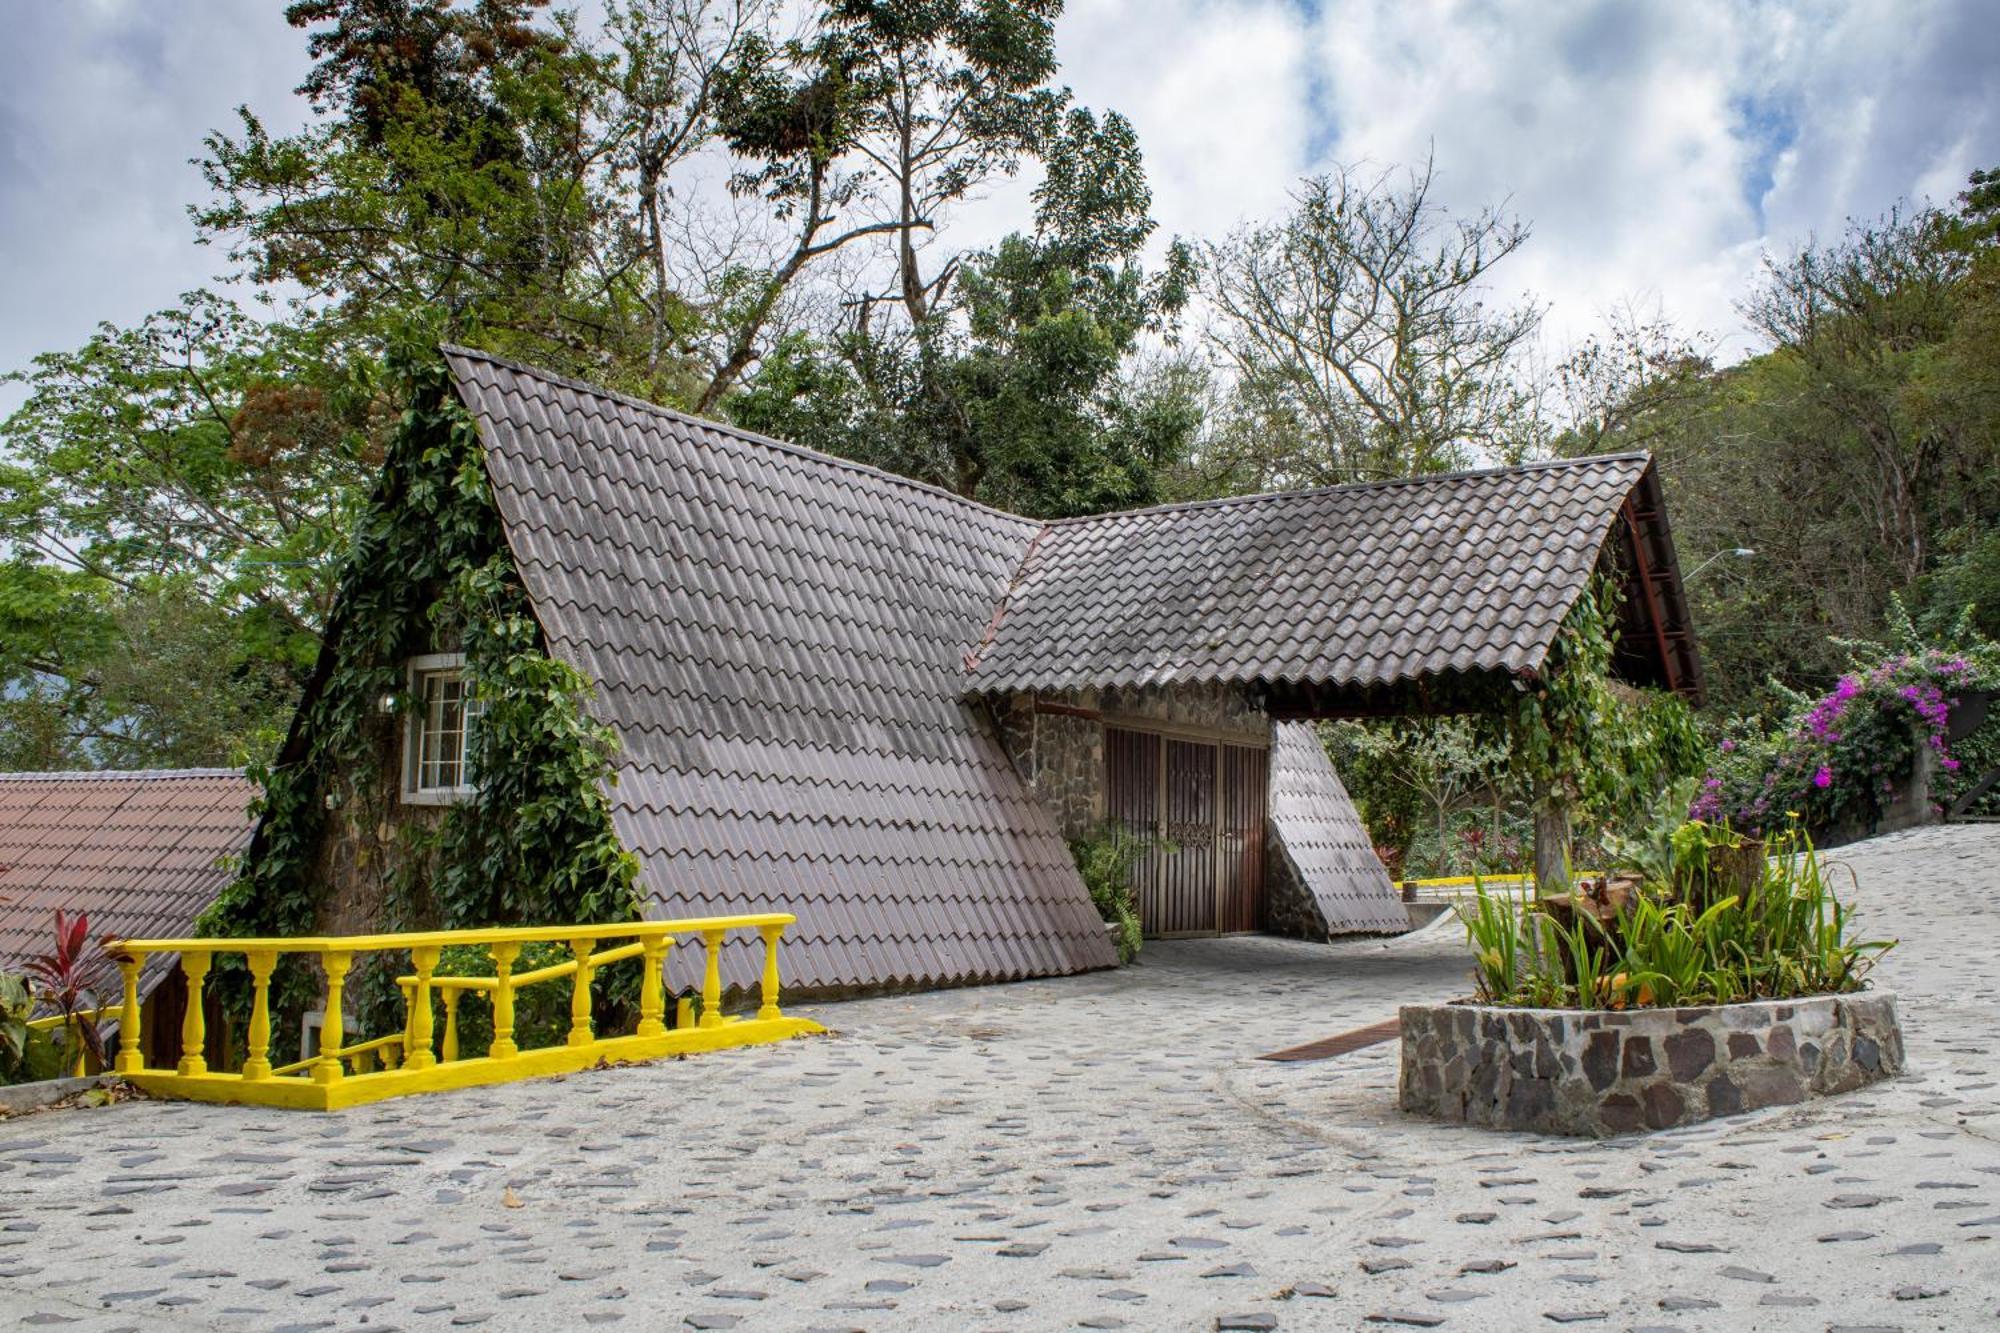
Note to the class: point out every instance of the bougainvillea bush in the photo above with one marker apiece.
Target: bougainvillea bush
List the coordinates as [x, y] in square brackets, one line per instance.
[1838, 758]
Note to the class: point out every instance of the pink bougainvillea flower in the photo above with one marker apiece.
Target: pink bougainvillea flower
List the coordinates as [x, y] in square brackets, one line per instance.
[1823, 778]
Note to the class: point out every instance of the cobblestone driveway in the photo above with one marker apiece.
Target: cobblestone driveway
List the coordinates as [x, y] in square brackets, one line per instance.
[1096, 1151]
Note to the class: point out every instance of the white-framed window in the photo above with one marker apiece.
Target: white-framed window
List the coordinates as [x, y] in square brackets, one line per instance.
[437, 733]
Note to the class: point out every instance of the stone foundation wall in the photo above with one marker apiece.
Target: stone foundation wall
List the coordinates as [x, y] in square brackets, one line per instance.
[1600, 1073]
[1289, 906]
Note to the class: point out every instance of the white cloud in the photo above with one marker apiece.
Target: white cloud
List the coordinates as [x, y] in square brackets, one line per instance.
[101, 108]
[1657, 148]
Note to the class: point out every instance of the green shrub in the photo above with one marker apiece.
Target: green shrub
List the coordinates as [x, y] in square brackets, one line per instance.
[1836, 760]
[28, 1055]
[1106, 859]
[1684, 939]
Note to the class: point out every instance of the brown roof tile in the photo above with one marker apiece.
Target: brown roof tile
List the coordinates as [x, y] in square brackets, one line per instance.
[778, 638]
[141, 853]
[781, 640]
[1349, 586]
[1322, 835]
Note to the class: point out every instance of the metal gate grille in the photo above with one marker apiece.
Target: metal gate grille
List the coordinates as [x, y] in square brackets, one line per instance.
[1202, 803]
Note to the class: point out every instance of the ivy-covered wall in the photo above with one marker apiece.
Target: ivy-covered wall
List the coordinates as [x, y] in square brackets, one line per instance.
[337, 850]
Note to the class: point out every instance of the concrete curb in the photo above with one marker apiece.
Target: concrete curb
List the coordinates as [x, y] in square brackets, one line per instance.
[22, 1097]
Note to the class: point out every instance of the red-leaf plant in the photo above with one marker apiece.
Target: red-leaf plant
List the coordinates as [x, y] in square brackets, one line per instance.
[68, 981]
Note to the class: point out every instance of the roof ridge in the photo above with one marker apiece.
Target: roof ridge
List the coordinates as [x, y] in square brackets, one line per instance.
[928, 488]
[737, 432]
[120, 774]
[1348, 487]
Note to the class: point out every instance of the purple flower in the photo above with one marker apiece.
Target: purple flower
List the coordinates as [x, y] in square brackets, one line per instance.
[1823, 778]
[1728, 745]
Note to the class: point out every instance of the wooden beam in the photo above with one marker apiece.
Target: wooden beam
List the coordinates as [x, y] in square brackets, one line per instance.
[1669, 661]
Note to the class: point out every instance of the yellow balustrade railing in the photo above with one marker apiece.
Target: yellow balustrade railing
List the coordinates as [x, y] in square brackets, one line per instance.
[418, 1059]
[1456, 886]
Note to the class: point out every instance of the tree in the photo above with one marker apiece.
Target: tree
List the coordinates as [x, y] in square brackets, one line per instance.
[483, 175]
[670, 63]
[1402, 769]
[1858, 321]
[1358, 336]
[1630, 386]
[1022, 389]
[448, 179]
[1578, 743]
[1859, 455]
[172, 499]
[873, 126]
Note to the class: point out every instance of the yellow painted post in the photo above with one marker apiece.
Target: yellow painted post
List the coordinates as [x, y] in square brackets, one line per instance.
[194, 1035]
[409, 1014]
[683, 1013]
[769, 992]
[711, 979]
[332, 1028]
[652, 997]
[452, 995]
[257, 1057]
[579, 999]
[503, 1047]
[129, 1060]
[419, 1055]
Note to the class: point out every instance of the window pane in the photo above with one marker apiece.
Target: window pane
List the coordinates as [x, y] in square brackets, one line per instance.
[441, 727]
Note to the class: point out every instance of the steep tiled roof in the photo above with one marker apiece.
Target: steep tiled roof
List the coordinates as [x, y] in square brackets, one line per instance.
[1320, 832]
[1350, 586]
[141, 853]
[778, 638]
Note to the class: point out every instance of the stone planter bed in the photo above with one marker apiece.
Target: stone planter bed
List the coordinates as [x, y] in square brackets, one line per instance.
[1603, 1072]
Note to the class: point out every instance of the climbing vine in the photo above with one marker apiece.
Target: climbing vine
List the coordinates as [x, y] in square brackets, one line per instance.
[1580, 743]
[429, 567]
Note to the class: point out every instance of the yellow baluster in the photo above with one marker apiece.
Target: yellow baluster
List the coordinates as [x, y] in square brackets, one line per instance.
[503, 1047]
[409, 1014]
[579, 999]
[194, 1033]
[652, 999]
[684, 1013]
[452, 995]
[769, 992]
[419, 1054]
[129, 1060]
[257, 1054]
[711, 980]
[332, 1028]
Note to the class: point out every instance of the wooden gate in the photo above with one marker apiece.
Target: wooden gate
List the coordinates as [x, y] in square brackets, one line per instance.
[1201, 803]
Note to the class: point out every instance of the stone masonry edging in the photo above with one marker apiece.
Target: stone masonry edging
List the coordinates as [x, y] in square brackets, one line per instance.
[1597, 1073]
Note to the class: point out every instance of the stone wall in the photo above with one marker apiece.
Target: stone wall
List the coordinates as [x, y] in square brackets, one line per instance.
[1600, 1073]
[1056, 740]
[1289, 906]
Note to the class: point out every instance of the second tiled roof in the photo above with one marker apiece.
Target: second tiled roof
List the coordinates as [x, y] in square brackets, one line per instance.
[1348, 586]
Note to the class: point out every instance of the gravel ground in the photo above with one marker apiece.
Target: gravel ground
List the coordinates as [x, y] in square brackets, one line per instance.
[1099, 1151]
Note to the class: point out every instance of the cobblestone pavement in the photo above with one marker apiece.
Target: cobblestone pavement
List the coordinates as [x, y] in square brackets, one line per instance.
[1097, 1151]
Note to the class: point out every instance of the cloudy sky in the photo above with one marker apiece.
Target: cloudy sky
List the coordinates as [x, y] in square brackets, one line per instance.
[1657, 147]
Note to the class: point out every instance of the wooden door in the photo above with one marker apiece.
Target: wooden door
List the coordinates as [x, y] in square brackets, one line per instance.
[1240, 853]
[1184, 901]
[1201, 804]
